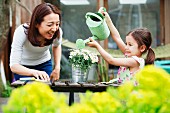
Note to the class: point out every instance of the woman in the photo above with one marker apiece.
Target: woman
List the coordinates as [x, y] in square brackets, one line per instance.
[30, 55]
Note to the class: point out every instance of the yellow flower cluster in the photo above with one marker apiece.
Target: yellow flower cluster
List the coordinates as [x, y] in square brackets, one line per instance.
[36, 97]
[151, 95]
[95, 103]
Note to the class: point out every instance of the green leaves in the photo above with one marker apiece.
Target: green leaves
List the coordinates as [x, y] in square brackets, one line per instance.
[151, 95]
[6, 92]
[34, 98]
[82, 58]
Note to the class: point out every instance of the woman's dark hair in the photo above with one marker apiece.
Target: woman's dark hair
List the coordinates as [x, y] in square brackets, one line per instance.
[143, 37]
[38, 15]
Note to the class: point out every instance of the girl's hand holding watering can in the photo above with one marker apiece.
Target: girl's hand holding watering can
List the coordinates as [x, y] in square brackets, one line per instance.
[102, 10]
[92, 43]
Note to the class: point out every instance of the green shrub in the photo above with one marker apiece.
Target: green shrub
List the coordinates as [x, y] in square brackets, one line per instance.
[34, 98]
[151, 95]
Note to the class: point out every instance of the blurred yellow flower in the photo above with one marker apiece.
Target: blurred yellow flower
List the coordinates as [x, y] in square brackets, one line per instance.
[35, 97]
[151, 95]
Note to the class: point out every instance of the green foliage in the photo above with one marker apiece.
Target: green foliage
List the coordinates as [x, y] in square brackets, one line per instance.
[34, 98]
[65, 71]
[6, 92]
[95, 103]
[151, 95]
[83, 59]
[103, 70]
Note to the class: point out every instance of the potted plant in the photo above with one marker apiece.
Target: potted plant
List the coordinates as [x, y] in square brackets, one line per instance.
[81, 61]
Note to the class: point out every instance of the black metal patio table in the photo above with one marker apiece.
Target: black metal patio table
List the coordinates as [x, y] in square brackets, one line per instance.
[68, 86]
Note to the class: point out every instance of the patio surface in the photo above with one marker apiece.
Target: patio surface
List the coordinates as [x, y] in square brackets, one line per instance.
[2, 102]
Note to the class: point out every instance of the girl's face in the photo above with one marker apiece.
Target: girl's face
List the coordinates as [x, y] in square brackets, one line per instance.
[49, 26]
[132, 48]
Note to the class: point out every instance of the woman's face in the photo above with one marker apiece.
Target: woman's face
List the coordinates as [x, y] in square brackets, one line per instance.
[49, 26]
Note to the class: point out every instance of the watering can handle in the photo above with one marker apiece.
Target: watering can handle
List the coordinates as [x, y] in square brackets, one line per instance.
[102, 8]
[92, 14]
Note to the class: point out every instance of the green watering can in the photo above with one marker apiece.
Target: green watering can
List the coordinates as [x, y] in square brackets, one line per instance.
[98, 27]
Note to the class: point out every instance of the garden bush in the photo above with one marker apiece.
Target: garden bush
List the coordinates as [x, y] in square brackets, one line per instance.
[151, 95]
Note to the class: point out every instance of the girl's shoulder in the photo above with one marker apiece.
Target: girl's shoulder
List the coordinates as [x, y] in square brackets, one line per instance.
[140, 60]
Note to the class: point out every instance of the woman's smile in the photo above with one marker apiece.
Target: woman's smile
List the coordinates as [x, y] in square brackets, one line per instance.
[50, 34]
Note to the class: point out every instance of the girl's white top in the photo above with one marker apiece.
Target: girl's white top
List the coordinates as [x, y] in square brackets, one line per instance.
[24, 53]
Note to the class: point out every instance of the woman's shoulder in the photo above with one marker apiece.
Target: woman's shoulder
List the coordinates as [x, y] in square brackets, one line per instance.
[140, 60]
[22, 27]
[25, 25]
[20, 32]
[61, 31]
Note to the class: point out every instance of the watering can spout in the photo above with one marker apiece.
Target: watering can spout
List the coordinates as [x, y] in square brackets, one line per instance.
[80, 43]
[98, 27]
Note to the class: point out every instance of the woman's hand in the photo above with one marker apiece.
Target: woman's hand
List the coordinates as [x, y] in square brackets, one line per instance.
[55, 75]
[40, 75]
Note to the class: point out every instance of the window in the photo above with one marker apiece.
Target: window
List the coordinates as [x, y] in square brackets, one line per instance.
[129, 16]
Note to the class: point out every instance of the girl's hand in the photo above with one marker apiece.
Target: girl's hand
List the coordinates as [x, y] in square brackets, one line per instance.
[106, 15]
[55, 75]
[92, 43]
[103, 12]
[40, 75]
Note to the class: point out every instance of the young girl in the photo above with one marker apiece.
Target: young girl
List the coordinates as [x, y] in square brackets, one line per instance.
[138, 41]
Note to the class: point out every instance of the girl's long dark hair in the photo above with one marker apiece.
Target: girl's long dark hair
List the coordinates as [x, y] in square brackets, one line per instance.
[143, 37]
[38, 15]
